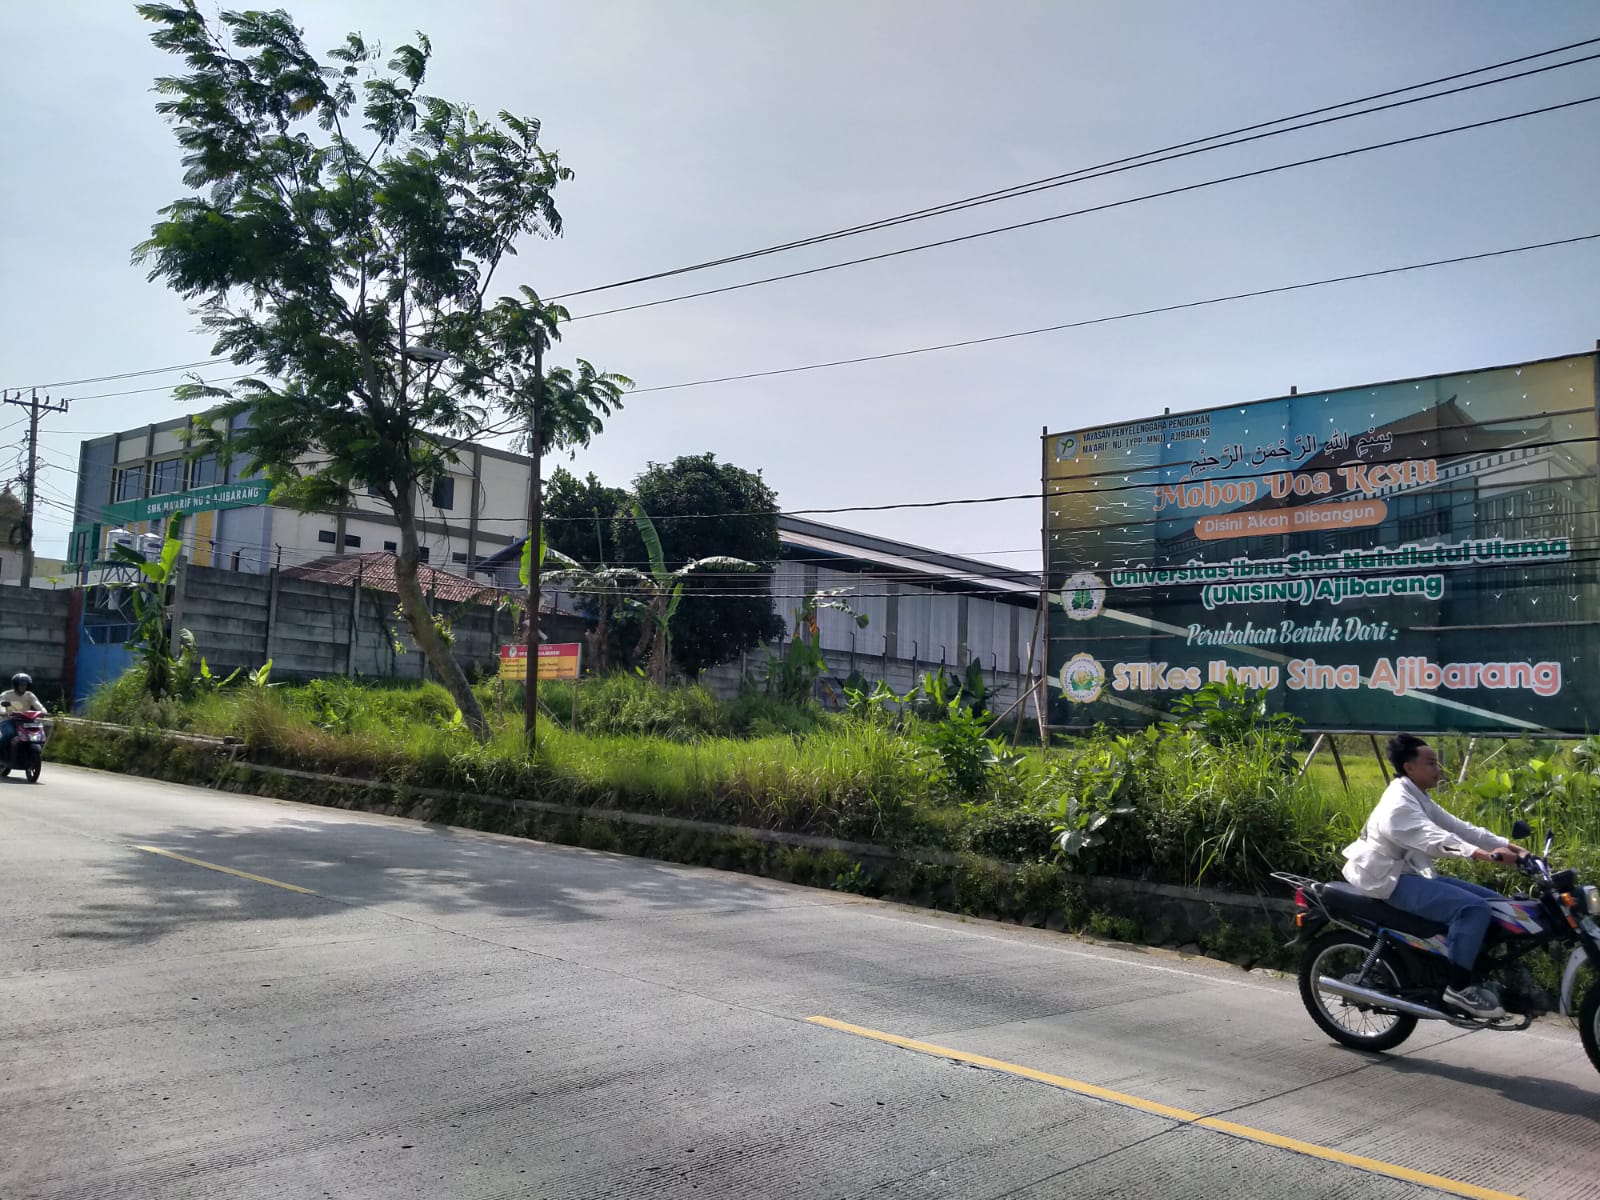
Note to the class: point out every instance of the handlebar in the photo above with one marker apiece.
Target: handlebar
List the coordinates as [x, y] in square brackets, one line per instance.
[1533, 864]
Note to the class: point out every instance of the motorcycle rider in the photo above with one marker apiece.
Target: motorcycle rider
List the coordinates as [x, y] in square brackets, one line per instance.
[19, 699]
[1393, 859]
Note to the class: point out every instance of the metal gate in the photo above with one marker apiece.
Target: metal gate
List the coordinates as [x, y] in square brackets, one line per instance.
[103, 634]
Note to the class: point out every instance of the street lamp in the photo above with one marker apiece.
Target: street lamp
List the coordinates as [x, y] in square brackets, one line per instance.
[422, 352]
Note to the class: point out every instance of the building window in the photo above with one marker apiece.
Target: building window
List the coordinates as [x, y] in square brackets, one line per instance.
[352, 541]
[423, 554]
[130, 483]
[444, 493]
[325, 535]
[203, 472]
[391, 547]
[459, 559]
[166, 476]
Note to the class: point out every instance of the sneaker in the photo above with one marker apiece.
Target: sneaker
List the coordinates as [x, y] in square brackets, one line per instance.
[1476, 1001]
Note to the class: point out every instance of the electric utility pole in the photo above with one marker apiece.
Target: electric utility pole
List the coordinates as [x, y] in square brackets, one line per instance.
[36, 408]
[530, 687]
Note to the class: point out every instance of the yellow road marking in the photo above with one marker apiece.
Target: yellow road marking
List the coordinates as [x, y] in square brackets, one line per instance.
[1249, 1133]
[195, 862]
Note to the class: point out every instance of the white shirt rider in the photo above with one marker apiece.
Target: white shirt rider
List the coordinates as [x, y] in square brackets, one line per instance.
[13, 702]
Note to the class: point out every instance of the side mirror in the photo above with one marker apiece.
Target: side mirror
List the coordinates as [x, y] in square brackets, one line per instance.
[1521, 829]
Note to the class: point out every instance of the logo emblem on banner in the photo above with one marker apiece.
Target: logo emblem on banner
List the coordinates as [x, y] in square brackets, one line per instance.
[1084, 596]
[1082, 678]
[1067, 446]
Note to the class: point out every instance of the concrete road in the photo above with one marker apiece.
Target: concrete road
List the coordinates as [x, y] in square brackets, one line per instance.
[444, 1014]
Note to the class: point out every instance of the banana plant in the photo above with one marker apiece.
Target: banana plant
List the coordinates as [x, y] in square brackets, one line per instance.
[164, 675]
[609, 589]
[794, 676]
[654, 594]
[663, 592]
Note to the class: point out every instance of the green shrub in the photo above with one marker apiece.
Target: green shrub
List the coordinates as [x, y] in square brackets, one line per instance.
[1017, 835]
[1188, 804]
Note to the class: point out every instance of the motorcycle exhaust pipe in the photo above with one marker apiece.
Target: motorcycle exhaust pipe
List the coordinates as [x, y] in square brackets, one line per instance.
[1350, 991]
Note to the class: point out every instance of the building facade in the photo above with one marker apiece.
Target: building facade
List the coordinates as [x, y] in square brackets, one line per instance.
[470, 513]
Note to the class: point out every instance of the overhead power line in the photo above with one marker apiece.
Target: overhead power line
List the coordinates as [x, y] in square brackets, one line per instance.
[1243, 135]
[205, 362]
[161, 388]
[1093, 208]
[1214, 300]
[1127, 316]
[1027, 188]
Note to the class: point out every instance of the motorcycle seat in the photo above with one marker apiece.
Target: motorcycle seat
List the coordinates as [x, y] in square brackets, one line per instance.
[1343, 900]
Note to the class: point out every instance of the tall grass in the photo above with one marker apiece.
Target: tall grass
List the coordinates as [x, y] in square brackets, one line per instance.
[1187, 809]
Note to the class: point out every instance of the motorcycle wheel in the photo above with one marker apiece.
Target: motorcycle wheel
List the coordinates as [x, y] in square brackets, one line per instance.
[33, 765]
[1589, 1023]
[1339, 954]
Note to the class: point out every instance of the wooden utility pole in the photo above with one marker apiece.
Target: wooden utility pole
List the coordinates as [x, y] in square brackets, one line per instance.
[36, 408]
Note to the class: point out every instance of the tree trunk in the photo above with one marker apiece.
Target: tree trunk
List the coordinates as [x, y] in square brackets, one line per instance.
[647, 633]
[420, 621]
[598, 637]
[660, 656]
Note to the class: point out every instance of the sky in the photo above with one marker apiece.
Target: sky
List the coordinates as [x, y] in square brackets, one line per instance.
[700, 128]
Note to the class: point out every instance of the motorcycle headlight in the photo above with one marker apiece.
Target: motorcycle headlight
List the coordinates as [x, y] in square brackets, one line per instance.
[1589, 897]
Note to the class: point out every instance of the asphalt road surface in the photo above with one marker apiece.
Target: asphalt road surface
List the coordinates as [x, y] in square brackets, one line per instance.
[371, 1008]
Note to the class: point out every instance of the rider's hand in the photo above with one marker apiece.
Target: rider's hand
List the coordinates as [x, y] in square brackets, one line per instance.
[1507, 854]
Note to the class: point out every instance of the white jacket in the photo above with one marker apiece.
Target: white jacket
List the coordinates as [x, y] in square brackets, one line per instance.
[1403, 836]
[12, 701]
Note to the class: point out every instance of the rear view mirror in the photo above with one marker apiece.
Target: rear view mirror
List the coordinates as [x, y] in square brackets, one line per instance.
[1521, 829]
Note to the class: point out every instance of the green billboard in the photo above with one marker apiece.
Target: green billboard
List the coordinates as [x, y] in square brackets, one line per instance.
[243, 494]
[1418, 555]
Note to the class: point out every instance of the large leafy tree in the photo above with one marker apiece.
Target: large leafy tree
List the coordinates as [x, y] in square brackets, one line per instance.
[578, 516]
[349, 259]
[704, 509]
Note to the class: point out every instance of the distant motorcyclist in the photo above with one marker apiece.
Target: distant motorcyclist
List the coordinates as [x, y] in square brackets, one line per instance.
[1393, 859]
[19, 699]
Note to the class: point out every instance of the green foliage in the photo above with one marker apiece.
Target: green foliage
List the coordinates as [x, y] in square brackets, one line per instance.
[1011, 834]
[967, 758]
[705, 510]
[164, 675]
[1164, 803]
[620, 705]
[1232, 819]
[1228, 713]
[793, 675]
[1557, 794]
[340, 234]
[579, 517]
[1105, 781]
[933, 697]
[879, 705]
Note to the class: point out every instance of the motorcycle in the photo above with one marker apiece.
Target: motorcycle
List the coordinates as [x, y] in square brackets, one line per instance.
[1370, 971]
[25, 752]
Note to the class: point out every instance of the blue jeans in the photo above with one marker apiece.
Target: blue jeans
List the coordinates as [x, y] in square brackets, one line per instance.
[1463, 906]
